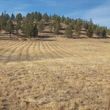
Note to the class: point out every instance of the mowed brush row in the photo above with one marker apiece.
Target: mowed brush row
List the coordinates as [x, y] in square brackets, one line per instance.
[25, 52]
[62, 50]
[32, 50]
[6, 47]
[48, 51]
[20, 50]
[13, 55]
[57, 53]
[70, 47]
[8, 51]
[54, 53]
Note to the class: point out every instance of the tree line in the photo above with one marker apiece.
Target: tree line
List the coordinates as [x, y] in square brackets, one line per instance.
[35, 22]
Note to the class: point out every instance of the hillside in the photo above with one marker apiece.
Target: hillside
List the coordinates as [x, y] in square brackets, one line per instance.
[36, 24]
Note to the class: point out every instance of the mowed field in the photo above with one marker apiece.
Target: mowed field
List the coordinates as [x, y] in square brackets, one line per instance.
[55, 74]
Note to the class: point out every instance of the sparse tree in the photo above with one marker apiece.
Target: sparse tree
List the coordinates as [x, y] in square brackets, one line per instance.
[69, 31]
[97, 31]
[78, 27]
[51, 27]
[85, 25]
[104, 33]
[108, 31]
[10, 27]
[12, 17]
[3, 20]
[17, 27]
[38, 16]
[29, 29]
[34, 33]
[19, 17]
[90, 31]
[101, 32]
[46, 17]
[56, 27]
[41, 26]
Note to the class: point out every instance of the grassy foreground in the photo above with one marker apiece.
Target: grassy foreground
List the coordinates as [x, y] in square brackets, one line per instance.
[78, 81]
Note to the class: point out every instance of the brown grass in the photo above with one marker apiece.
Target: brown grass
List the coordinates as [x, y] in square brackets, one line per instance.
[61, 74]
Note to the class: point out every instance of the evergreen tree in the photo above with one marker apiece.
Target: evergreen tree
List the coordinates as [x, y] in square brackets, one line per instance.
[104, 33]
[63, 19]
[38, 16]
[29, 29]
[12, 17]
[56, 27]
[30, 17]
[108, 31]
[34, 32]
[10, 27]
[56, 18]
[17, 27]
[46, 17]
[41, 26]
[98, 31]
[101, 32]
[68, 31]
[51, 27]
[3, 20]
[68, 21]
[78, 26]
[85, 25]
[19, 17]
[90, 31]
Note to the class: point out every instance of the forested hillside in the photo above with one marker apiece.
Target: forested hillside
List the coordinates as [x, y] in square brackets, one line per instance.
[32, 24]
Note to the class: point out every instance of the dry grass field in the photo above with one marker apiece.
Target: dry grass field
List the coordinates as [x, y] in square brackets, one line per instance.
[55, 74]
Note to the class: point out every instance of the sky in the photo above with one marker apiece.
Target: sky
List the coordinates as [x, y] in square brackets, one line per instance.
[97, 10]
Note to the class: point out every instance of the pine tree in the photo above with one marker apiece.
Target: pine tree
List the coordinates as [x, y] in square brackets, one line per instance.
[104, 33]
[19, 17]
[101, 32]
[45, 17]
[69, 32]
[12, 17]
[34, 32]
[26, 28]
[41, 26]
[90, 31]
[56, 27]
[108, 31]
[38, 16]
[3, 20]
[85, 25]
[78, 27]
[29, 29]
[97, 31]
[51, 27]
[10, 27]
[17, 27]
